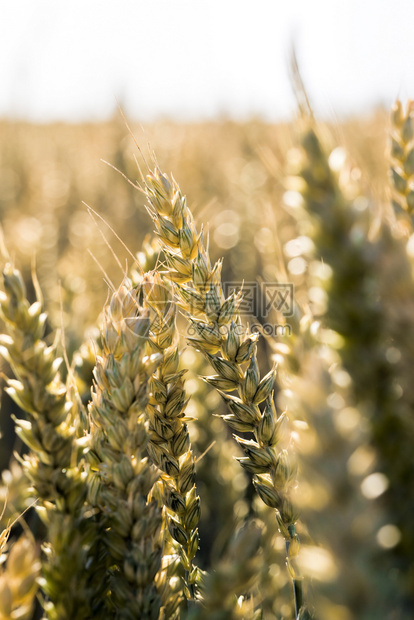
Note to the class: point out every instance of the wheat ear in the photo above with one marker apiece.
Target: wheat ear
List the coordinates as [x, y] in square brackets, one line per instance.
[121, 478]
[52, 463]
[169, 445]
[230, 351]
[366, 289]
[232, 576]
[402, 154]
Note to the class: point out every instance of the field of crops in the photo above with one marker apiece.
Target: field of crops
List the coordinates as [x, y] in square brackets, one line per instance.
[207, 402]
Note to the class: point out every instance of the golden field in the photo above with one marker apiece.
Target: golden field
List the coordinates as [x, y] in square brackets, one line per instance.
[309, 205]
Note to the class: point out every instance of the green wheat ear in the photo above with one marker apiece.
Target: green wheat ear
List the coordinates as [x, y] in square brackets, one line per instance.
[53, 464]
[169, 446]
[121, 478]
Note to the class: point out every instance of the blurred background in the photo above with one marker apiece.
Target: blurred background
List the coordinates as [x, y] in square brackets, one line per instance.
[207, 86]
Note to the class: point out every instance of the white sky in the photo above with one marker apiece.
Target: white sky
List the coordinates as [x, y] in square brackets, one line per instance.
[193, 59]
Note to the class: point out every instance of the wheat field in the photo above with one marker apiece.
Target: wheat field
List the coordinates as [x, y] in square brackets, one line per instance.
[207, 404]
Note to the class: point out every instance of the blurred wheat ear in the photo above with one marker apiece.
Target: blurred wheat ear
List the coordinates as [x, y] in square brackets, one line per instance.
[402, 169]
[359, 301]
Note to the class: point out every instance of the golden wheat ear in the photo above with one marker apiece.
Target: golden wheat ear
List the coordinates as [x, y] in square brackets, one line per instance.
[231, 351]
[402, 163]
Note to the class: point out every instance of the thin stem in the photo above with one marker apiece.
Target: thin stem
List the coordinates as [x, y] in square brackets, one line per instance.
[297, 580]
